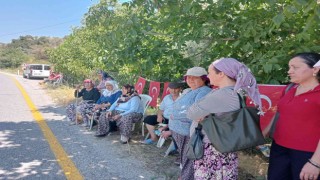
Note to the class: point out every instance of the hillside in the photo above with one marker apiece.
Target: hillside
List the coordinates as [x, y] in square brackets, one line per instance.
[27, 49]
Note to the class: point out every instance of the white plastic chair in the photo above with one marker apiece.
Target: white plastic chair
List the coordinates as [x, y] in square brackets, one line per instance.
[146, 99]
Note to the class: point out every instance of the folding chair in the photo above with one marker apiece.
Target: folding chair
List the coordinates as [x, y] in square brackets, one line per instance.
[146, 99]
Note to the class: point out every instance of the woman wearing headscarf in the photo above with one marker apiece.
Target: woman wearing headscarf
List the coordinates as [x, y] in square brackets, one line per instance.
[295, 150]
[89, 95]
[231, 77]
[108, 97]
[125, 111]
[179, 123]
[103, 77]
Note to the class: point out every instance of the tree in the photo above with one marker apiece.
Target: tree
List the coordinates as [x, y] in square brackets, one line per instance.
[159, 40]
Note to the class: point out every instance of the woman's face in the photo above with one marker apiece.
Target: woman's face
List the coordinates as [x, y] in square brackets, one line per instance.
[213, 76]
[124, 90]
[87, 85]
[109, 87]
[100, 76]
[299, 72]
[194, 82]
[175, 91]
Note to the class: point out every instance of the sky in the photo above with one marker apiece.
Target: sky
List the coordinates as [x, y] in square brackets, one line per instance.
[53, 18]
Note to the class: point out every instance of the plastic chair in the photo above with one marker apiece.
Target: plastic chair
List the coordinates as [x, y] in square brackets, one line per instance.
[146, 99]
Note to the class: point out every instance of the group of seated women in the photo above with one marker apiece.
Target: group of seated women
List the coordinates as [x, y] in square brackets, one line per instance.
[113, 108]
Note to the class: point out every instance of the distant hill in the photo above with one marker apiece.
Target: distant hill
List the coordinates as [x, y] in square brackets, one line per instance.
[27, 49]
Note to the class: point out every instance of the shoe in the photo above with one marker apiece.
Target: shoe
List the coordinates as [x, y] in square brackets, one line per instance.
[148, 142]
[265, 150]
[124, 139]
[100, 135]
[72, 123]
[123, 142]
[84, 125]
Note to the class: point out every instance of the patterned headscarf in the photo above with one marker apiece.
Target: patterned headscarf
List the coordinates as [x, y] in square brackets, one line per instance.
[245, 81]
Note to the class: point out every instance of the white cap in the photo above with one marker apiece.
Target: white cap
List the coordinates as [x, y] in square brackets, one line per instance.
[196, 71]
[317, 65]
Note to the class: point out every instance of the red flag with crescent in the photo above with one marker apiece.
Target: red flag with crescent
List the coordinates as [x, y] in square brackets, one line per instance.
[154, 91]
[270, 95]
[140, 85]
[165, 90]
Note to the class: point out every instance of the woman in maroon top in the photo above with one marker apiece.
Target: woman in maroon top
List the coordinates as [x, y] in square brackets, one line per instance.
[295, 151]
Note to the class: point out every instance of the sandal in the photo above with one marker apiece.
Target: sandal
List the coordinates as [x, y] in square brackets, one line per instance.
[148, 141]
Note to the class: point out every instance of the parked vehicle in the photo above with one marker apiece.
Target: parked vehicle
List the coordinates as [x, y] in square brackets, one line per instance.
[36, 71]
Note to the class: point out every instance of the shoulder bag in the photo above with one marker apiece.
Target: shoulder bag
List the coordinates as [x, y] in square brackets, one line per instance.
[235, 130]
[195, 145]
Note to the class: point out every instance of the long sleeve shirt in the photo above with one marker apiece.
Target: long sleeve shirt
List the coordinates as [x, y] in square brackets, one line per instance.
[133, 105]
[178, 121]
[109, 99]
[92, 95]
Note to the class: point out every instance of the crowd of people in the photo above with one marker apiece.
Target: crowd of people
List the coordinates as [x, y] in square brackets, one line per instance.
[295, 149]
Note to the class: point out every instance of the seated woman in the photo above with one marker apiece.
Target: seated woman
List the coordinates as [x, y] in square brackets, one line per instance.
[108, 97]
[89, 96]
[125, 111]
[163, 114]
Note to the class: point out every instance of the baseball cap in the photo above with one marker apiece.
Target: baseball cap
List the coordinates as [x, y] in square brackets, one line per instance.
[175, 85]
[196, 71]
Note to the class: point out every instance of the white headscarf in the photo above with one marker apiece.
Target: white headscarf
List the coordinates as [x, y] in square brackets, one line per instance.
[115, 88]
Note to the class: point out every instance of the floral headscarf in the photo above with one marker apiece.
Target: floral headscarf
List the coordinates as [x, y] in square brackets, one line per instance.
[245, 81]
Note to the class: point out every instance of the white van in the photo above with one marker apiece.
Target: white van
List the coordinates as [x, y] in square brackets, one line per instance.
[36, 71]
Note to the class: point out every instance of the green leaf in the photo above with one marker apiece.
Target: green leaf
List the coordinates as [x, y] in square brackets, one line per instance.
[278, 19]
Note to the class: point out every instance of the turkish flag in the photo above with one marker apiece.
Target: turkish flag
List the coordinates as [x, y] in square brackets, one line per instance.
[270, 96]
[165, 90]
[154, 91]
[140, 85]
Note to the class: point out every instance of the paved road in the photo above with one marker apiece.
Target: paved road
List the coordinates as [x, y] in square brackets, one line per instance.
[25, 152]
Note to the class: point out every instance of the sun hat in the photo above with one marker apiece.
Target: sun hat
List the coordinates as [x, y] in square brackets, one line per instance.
[175, 85]
[196, 71]
[317, 65]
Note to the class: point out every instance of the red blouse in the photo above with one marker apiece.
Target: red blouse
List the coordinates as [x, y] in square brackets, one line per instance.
[298, 126]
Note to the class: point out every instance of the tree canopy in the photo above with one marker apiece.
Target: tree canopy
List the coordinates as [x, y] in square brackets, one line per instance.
[160, 39]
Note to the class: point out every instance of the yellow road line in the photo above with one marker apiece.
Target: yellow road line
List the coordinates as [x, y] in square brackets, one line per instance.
[66, 164]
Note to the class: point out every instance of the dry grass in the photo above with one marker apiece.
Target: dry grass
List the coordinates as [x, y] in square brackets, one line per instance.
[252, 164]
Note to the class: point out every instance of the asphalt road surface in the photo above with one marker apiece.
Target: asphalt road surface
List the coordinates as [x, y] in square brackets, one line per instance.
[37, 142]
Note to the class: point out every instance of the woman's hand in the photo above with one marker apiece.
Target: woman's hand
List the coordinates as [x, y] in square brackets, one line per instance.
[116, 117]
[309, 172]
[96, 107]
[108, 114]
[165, 134]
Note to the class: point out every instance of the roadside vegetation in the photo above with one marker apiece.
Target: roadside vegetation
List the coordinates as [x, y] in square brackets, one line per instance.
[160, 40]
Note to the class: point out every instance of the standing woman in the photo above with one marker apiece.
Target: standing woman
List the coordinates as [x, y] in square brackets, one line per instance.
[231, 77]
[103, 78]
[89, 95]
[179, 124]
[295, 150]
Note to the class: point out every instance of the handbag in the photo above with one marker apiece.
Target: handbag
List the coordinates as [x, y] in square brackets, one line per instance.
[276, 116]
[195, 145]
[235, 130]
